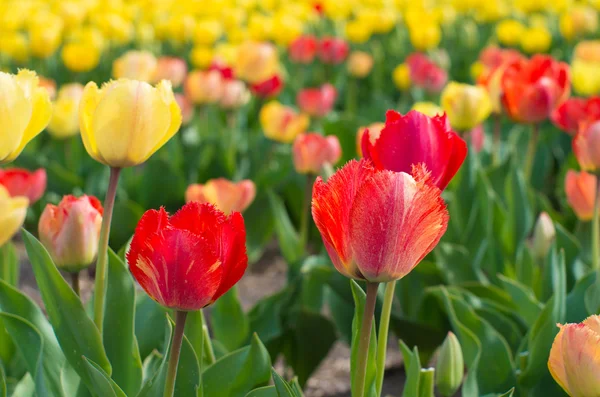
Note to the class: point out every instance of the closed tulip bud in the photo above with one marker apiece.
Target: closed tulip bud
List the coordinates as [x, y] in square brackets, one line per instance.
[135, 65]
[575, 112]
[586, 146]
[282, 123]
[544, 234]
[333, 50]
[226, 195]
[25, 110]
[12, 214]
[187, 108]
[450, 366]
[256, 61]
[317, 102]
[428, 108]
[536, 40]
[65, 112]
[360, 64]
[401, 77]
[312, 151]
[378, 225]
[170, 68]
[204, 86]
[574, 360]
[303, 49]
[373, 130]
[124, 122]
[80, 57]
[425, 36]
[187, 261]
[580, 188]
[71, 231]
[269, 88]
[235, 94]
[509, 32]
[466, 105]
[21, 182]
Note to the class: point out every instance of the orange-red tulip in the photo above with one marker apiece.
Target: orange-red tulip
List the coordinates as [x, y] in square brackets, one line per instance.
[312, 151]
[269, 88]
[586, 146]
[575, 112]
[226, 195]
[317, 102]
[580, 188]
[333, 50]
[21, 182]
[204, 86]
[303, 49]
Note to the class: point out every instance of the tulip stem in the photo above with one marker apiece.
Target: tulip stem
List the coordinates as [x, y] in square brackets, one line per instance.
[351, 97]
[531, 149]
[75, 282]
[384, 326]
[175, 350]
[497, 138]
[304, 221]
[596, 232]
[365, 337]
[101, 268]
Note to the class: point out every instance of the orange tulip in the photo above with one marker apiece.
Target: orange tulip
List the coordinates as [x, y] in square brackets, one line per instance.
[312, 151]
[226, 195]
[586, 146]
[204, 86]
[256, 61]
[580, 188]
[282, 123]
[170, 68]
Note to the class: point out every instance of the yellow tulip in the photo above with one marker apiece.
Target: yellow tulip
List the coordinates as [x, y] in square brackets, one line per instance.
[256, 61]
[207, 32]
[126, 121]
[201, 56]
[44, 41]
[358, 32]
[12, 214]
[80, 57]
[585, 77]
[25, 110]
[401, 77]
[425, 35]
[139, 65]
[282, 123]
[466, 105]
[15, 45]
[509, 32]
[588, 51]
[360, 64]
[428, 108]
[65, 113]
[535, 40]
[578, 21]
[286, 29]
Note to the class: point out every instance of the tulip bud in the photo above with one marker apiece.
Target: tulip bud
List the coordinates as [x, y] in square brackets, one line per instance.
[333, 50]
[401, 77]
[256, 61]
[71, 231]
[204, 86]
[450, 367]
[312, 151]
[268, 88]
[138, 65]
[580, 188]
[65, 112]
[80, 57]
[12, 214]
[303, 49]
[20, 182]
[543, 235]
[466, 105]
[282, 123]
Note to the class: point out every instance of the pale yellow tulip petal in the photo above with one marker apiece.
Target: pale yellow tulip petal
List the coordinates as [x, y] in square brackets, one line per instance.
[15, 113]
[87, 107]
[555, 361]
[164, 88]
[12, 216]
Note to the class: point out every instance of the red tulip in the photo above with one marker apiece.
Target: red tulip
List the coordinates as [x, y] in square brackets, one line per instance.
[586, 146]
[317, 102]
[477, 136]
[303, 49]
[416, 138]
[21, 182]
[312, 151]
[575, 112]
[71, 231]
[580, 188]
[225, 71]
[269, 88]
[532, 89]
[492, 57]
[426, 74]
[378, 225]
[333, 50]
[187, 261]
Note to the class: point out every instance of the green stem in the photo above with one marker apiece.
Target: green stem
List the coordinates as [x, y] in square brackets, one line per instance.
[365, 337]
[210, 353]
[351, 97]
[497, 142]
[384, 326]
[304, 220]
[531, 149]
[75, 282]
[175, 350]
[596, 232]
[101, 268]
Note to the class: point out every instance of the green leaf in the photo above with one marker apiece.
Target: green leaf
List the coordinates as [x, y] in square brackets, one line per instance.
[194, 331]
[282, 387]
[149, 315]
[238, 372]
[230, 325]
[9, 264]
[119, 337]
[75, 331]
[426, 382]
[520, 223]
[508, 393]
[25, 387]
[103, 384]
[526, 305]
[266, 391]
[289, 240]
[359, 302]
[2, 382]
[412, 367]
[262, 227]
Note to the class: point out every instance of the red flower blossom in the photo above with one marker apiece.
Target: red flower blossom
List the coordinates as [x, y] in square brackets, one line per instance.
[416, 138]
[21, 182]
[532, 89]
[303, 49]
[269, 88]
[586, 146]
[426, 74]
[575, 112]
[317, 102]
[189, 260]
[378, 225]
[226, 71]
[311, 151]
[333, 50]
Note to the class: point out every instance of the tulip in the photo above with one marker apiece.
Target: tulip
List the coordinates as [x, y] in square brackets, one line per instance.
[65, 112]
[574, 360]
[536, 40]
[425, 74]
[495, 61]
[137, 65]
[588, 51]
[226, 195]
[586, 146]
[25, 110]
[49, 85]
[580, 188]
[401, 77]
[373, 130]
[317, 102]
[575, 112]
[21, 182]
[187, 261]
[450, 367]
[509, 32]
[303, 49]
[466, 105]
[12, 214]
[269, 88]
[204, 86]
[578, 21]
[235, 94]
[124, 122]
[282, 123]
[170, 68]
[71, 231]
[544, 234]
[358, 31]
[312, 151]
[333, 50]
[224, 70]
[187, 108]
[360, 64]
[416, 138]
[428, 108]
[425, 35]
[256, 61]
[80, 57]
[201, 56]
[586, 79]
[378, 225]
[533, 88]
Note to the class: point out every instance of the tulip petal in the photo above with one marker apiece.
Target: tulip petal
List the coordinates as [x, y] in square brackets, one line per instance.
[152, 222]
[556, 364]
[12, 214]
[15, 113]
[166, 93]
[40, 117]
[201, 219]
[395, 222]
[581, 359]
[89, 100]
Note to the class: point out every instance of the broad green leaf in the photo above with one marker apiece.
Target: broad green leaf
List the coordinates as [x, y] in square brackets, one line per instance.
[9, 264]
[103, 384]
[235, 374]
[119, 337]
[25, 387]
[230, 325]
[526, 305]
[359, 302]
[149, 315]
[412, 368]
[75, 331]
[2, 382]
[289, 240]
[282, 387]
[262, 226]
[521, 220]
